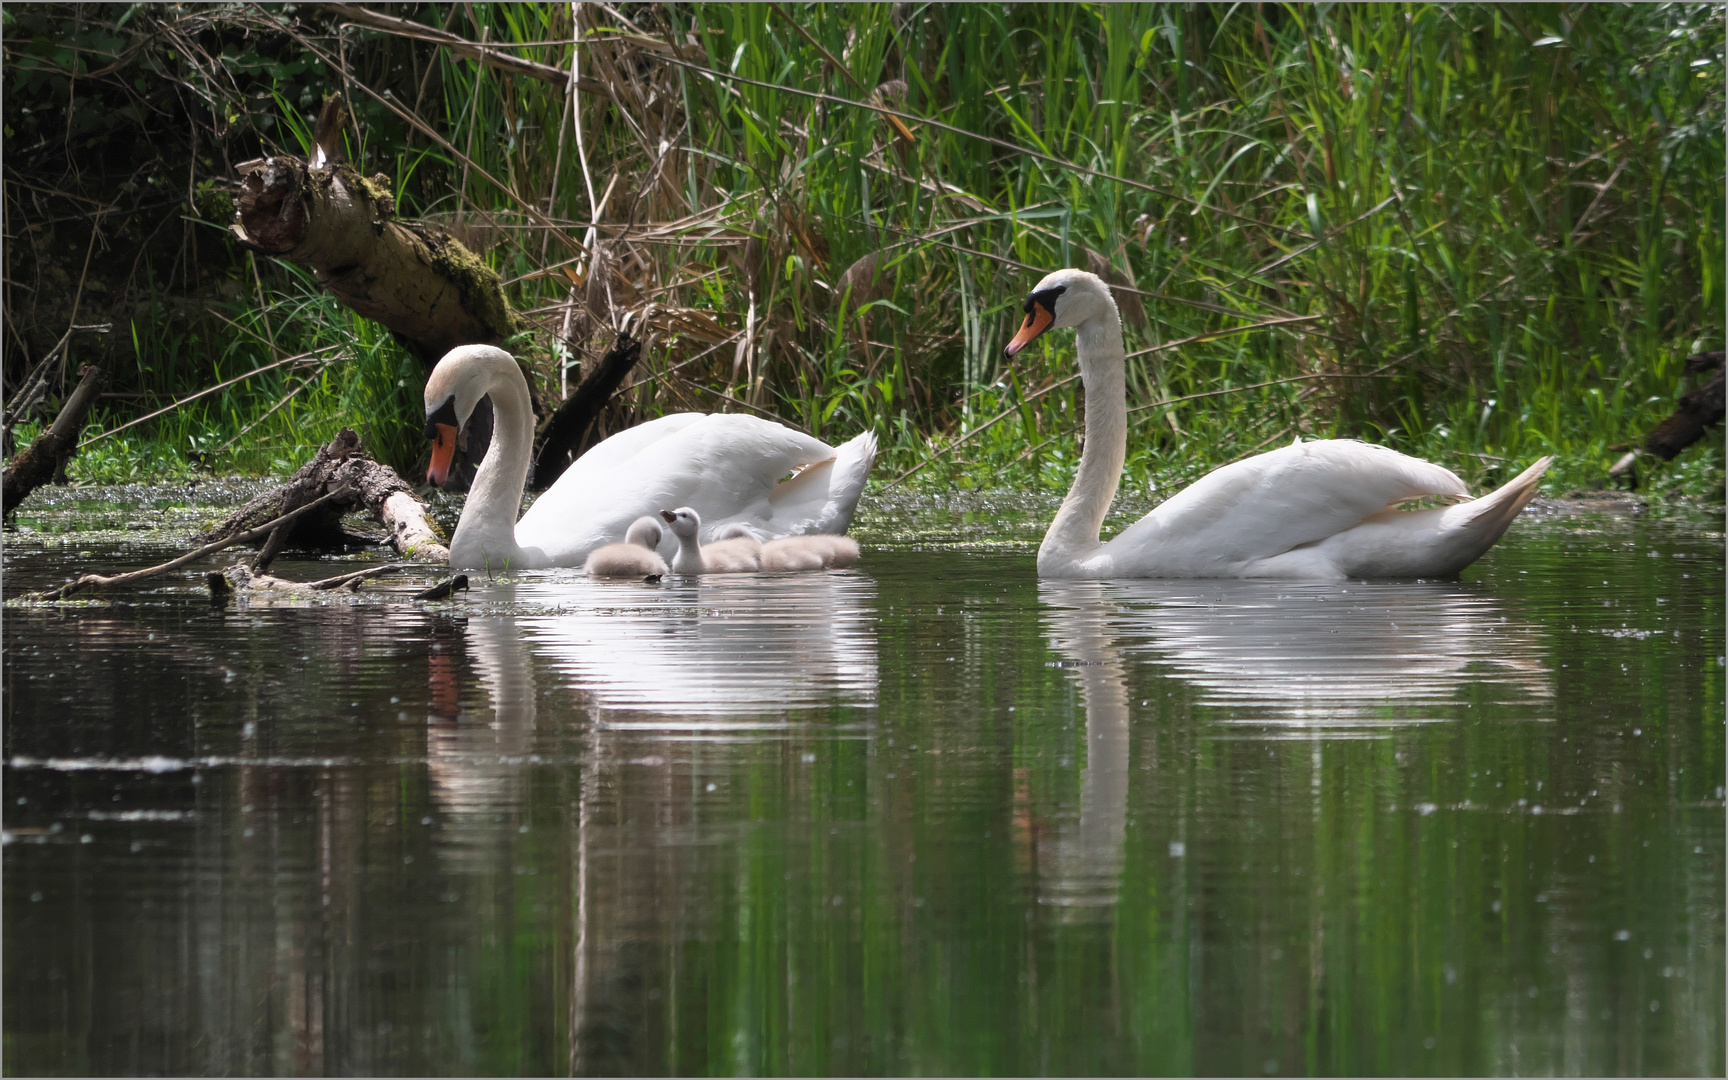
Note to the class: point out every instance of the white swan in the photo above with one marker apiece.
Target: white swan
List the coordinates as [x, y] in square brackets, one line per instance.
[1318, 510]
[727, 467]
[634, 558]
[738, 555]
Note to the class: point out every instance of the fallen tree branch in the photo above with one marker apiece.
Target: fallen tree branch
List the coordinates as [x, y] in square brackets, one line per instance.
[46, 457]
[343, 465]
[207, 391]
[100, 581]
[1697, 410]
[569, 432]
[35, 385]
[429, 290]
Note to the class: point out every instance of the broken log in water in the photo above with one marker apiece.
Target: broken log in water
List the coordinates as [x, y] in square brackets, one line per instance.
[45, 459]
[1698, 410]
[341, 466]
[431, 292]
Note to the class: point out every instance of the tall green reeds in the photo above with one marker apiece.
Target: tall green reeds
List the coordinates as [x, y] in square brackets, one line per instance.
[1475, 233]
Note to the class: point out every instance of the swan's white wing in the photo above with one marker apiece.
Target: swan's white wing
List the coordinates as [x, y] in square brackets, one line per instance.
[723, 466]
[1397, 543]
[613, 452]
[1262, 507]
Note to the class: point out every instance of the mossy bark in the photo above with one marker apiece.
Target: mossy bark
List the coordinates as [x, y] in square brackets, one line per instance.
[425, 287]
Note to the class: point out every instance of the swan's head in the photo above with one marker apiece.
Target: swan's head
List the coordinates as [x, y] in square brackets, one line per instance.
[1064, 298]
[644, 531]
[683, 522]
[455, 387]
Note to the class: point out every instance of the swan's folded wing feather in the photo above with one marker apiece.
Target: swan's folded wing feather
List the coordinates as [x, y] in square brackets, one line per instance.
[822, 497]
[1273, 502]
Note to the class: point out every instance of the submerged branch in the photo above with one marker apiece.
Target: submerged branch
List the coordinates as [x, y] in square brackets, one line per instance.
[101, 581]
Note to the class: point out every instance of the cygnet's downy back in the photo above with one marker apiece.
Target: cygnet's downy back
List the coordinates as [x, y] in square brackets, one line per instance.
[634, 558]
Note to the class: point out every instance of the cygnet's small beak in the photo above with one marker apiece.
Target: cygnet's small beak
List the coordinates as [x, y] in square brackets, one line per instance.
[669, 516]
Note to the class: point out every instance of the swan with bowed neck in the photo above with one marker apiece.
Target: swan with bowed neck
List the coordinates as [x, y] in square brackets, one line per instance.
[1320, 510]
[727, 467]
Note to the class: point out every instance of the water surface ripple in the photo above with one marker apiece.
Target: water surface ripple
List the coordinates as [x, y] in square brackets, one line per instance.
[926, 816]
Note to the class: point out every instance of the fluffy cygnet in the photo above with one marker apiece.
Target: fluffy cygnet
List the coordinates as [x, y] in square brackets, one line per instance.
[818, 551]
[634, 558]
[740, 555]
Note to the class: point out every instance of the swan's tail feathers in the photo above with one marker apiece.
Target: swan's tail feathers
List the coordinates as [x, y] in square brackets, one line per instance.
[1483, 521]
[822, 497]
[852, 463]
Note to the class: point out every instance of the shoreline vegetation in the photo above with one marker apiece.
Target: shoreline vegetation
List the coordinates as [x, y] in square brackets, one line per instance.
[1475, 234]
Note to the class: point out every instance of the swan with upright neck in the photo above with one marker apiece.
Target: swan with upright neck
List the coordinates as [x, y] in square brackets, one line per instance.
[728, 467]
[1319, 510]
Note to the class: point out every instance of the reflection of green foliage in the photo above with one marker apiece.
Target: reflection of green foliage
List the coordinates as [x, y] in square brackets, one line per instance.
[866, 890]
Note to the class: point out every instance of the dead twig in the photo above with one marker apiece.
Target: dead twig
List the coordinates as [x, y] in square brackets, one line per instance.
[100, 581]
[461, 46]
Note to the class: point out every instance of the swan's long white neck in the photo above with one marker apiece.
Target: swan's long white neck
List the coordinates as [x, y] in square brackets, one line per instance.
[486, 534]
[1074, 533]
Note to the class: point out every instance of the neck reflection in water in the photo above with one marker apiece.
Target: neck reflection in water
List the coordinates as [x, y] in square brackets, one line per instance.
[1286, 659]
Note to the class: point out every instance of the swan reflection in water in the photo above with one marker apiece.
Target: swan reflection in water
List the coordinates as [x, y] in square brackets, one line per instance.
[624, 675]
[735, 653]
[1357, 659]
[723, 659]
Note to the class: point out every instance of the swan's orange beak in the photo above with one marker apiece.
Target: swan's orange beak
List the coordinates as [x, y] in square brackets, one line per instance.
[1038, 320]
[443, 451]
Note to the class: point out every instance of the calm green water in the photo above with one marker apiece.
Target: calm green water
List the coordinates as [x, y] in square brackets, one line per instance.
[928, 816]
